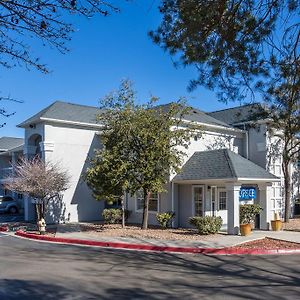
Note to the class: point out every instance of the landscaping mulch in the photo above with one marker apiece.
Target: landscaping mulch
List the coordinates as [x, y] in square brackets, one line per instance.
[292, 225]
[268, 244]
[153, 232]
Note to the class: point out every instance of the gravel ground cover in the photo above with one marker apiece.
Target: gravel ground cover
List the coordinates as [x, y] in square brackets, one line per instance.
[268, 244]
[293, 224]
[134, 231]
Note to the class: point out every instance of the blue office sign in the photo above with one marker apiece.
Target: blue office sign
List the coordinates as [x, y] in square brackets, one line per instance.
[247, 193]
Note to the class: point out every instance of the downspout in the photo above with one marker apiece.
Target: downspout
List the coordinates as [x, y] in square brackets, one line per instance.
[247, 142]
[172, 202]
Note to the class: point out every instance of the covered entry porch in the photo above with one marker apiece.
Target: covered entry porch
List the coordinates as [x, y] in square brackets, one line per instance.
[216, 183]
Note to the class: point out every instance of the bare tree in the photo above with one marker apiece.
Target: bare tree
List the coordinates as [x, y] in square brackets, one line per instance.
[42, 181]
[45, 20]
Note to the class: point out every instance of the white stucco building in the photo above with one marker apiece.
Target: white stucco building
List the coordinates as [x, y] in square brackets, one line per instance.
[226, 165]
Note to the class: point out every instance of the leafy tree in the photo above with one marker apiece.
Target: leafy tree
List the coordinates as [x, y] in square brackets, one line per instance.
[42, 181]
[233, 44]
[284, 121]
[240, 48]
[141, 145]
[107, 174]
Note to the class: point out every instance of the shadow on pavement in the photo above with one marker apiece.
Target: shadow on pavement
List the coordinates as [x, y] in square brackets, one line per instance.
[90, 273]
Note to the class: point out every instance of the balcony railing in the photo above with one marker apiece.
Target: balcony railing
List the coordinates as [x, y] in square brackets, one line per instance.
[5, 172]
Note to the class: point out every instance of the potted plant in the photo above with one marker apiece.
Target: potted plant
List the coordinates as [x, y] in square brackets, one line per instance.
[248, 213]
[276, 224]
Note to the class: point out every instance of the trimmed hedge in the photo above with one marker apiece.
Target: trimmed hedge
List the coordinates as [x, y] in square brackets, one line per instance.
[248, 212]
[207, 224]
[164, 219]
[114, 215]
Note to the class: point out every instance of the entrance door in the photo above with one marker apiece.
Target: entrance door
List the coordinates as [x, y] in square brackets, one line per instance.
[198, 200]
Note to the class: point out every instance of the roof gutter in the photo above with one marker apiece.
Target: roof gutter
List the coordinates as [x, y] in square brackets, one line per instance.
[93, 125]
[214, 126]
[226, 180]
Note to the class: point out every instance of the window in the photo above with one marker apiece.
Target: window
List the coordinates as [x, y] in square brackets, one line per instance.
[222, 200]
[198, 200]
[153, 201]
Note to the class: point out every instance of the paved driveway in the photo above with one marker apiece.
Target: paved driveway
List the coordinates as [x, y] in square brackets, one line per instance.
[35, 270]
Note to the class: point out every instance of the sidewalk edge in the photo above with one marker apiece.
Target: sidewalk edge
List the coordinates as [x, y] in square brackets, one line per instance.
[127, 246]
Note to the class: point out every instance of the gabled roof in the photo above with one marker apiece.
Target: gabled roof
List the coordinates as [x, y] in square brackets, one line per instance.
[240, 114]
[8, 143]
[199, 116]
[65, 112]
[221, 164]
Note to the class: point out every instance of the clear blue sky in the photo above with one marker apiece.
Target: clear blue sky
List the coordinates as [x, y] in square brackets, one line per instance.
[104, 50]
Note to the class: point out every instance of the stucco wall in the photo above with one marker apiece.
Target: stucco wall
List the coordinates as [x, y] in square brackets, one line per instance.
[71, 148]
[185, 204]
[5, 161]
[257, 145]
[213, 140]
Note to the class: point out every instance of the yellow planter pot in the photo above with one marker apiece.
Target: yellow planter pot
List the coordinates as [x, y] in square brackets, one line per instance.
[276, 225]
[245, 229]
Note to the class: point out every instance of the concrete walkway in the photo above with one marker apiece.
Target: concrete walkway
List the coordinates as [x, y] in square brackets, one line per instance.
[217, 241]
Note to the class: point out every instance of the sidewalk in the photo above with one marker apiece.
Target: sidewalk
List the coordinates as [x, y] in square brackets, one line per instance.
[72, 231]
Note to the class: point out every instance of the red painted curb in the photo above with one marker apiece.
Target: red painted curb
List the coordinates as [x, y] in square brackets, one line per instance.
[213, 251]
[3, 228]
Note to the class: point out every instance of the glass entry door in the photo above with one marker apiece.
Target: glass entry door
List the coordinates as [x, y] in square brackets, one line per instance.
[198, 199]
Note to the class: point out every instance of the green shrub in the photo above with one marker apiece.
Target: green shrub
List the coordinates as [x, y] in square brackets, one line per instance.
[248, 212]
[164, 219]
[207, 224]
[114, 215]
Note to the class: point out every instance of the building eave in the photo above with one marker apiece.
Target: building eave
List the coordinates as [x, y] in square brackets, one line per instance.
[58, 121]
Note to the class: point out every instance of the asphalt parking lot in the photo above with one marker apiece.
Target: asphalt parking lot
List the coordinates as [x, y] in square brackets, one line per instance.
[39, 270]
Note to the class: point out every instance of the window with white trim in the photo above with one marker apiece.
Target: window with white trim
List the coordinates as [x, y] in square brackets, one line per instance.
[198, 194]
[222, 200]
[153, 201]
[277, 202]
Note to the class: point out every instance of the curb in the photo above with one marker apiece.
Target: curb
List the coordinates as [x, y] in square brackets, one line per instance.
[127, 246]
[3, 228]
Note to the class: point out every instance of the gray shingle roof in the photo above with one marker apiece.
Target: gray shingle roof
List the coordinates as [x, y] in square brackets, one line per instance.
[7, 143]
[220, 164]
[235, 115]
[65, 111]
[197, 115]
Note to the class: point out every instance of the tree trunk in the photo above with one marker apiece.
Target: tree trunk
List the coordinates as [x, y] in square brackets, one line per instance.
[146, 210]
[287, 191]
[123, 210]
[37, 209]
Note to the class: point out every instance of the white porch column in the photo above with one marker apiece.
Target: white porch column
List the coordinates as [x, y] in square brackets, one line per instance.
[264, 201]
[13, 158]
[233, 208]
[174, 204]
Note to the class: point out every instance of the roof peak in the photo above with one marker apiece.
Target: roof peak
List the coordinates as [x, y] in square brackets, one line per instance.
[237, 107]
